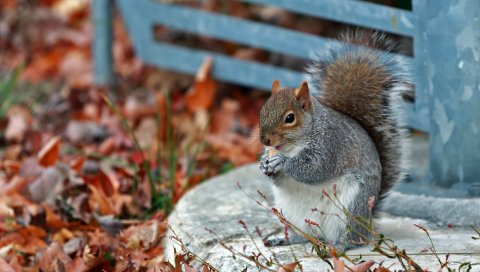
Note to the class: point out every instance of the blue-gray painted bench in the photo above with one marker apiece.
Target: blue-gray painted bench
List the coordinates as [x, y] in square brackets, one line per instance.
[446, 63]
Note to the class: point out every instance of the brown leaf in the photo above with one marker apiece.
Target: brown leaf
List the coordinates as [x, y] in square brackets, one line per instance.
[19, 121]
[11, 167]
[92, 255]
[145, 235]
[49, 154]
[16, 185]
[223, 119]
[363, 267]
[338, 265]
[78, 265]
[202, 94]
[99, 201]
[5, 267]
[188, 268]
[107, 147]
[287, 268]
[53, 220]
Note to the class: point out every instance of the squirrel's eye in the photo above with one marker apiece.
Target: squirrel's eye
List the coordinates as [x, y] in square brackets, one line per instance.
[290, 118]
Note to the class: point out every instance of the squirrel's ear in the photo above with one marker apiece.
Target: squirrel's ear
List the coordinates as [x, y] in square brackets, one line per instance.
[275, 86]
[303, 95]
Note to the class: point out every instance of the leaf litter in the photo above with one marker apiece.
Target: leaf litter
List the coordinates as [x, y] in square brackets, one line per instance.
[88, 187]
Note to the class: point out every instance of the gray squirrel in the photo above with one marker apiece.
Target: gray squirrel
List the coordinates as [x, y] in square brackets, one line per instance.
[351, 135]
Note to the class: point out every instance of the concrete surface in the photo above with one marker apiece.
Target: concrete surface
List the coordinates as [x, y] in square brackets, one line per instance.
[219, 204]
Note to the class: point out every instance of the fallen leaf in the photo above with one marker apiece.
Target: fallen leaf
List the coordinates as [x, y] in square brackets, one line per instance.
[53, 220]
[287, 268]
[107, 147]
[74, 245]
[109, 223]
[47, 258]
[202, 94]
[5, 250]
[363, 267]
[145, 235]
[5, 267]
[99, 201]
[16, 185]
[338, 265]
[6, 211]
[48, 186]
[49, 154]
[92, 255]
[78, 265]
[223, 119]
[19, 121]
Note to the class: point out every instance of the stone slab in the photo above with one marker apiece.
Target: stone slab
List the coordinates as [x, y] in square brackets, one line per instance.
[219, 205]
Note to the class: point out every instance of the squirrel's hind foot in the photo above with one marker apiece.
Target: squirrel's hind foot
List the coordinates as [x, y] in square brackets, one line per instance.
[281, 240]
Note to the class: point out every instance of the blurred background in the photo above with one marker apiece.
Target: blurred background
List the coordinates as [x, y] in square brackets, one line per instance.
[98, 167]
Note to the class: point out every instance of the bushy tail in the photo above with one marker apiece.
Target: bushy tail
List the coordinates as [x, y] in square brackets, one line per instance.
[368, 85]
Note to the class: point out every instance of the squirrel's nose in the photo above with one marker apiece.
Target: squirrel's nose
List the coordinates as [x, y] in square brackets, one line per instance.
[265, 140]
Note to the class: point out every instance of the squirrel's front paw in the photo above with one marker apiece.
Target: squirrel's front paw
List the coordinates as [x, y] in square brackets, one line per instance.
[271, 166]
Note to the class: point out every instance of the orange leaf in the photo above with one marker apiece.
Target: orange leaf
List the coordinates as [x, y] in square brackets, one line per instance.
[77, 163]
[32, 230]
[107, 147]
[338, 266]
[202, 94]
[287, 268]
[54, 221]
[49, 154]
[98, 200]
[381, 269]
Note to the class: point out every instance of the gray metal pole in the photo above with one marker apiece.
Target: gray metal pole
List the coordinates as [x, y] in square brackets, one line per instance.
[102, 41]
[450, 71]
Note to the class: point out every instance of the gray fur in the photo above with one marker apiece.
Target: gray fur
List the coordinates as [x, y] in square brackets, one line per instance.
[359, 144]
[337, 147]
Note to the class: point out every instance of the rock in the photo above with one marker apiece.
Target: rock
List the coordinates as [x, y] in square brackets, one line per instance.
[219, 204]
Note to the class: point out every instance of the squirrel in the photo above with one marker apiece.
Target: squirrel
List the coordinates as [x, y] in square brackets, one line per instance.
[350, 140]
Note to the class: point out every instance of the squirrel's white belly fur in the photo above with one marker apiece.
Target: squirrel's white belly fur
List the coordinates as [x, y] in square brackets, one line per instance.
[296, 201]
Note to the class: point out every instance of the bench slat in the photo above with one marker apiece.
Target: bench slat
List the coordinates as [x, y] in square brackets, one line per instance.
[225, 68]
[360, 13]
[245, 32]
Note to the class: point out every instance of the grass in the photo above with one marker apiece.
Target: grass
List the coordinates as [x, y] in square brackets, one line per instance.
[7, 96]
[163, 178]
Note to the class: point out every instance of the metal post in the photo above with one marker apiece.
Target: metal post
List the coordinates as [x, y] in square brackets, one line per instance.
[450, 71]
[102, 41]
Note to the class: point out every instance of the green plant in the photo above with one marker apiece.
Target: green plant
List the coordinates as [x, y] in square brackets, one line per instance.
[7, 97]
[161, 167]
[159, 200]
